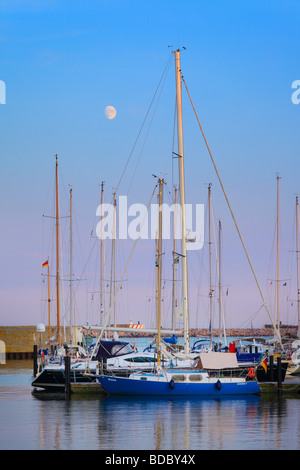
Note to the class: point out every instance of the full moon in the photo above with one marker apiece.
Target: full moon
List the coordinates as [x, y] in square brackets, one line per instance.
[110, 112]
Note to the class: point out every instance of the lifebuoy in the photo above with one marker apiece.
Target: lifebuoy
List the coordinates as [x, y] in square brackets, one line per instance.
[251, 372]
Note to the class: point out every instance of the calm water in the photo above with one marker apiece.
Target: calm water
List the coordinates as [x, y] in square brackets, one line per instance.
[96, 423]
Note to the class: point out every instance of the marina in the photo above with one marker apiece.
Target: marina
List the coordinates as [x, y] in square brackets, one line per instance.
[150, 304]
[215, 369]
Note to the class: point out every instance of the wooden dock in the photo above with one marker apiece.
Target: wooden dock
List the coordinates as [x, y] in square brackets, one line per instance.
[84, 389]
[290, 386]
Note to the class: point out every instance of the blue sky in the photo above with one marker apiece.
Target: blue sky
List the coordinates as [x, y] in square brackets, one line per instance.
[64, 62]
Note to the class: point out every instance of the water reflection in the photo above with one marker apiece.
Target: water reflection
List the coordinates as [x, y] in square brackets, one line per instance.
[157, 423]
[39, 420]
[177, 423]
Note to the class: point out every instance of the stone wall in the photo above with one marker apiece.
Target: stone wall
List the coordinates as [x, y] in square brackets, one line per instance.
[19, 340]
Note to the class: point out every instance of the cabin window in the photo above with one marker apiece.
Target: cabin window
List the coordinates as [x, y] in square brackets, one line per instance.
[179, 378]
[140, 359]
[195, 377]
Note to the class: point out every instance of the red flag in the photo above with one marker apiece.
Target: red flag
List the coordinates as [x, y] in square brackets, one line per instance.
[265, 365]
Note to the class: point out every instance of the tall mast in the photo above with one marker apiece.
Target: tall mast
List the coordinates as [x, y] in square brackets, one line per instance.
[101, 257]
[113, 261]
[210, 267]
[160, 181]
[57, 249]
[49, 300]
[115, 255]
[174, 264]
[277, 263]
[71, 266]
[298, 280]
[220, 284]
[182, 201]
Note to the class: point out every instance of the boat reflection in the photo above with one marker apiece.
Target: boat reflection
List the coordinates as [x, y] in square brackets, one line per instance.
[160, 423]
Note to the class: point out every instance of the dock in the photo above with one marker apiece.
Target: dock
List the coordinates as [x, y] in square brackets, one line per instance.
[85, 389]
[290, 386]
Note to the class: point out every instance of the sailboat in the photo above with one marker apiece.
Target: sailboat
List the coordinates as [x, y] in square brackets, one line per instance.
[117, 357]
[294, 347]
[208, 377]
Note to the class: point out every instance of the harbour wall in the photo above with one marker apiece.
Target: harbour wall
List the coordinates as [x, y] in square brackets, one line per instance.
[19, 340]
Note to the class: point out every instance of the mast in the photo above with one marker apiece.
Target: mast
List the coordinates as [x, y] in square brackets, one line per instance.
[101, 257]
[49, 300]
[220, 288]
[210, 268]
[115, 254]
[160, 181]
[182, 201]
[277, 262]
[113, 261]
[71, 266]
[57, 249]
[298, 280]
[174, 264]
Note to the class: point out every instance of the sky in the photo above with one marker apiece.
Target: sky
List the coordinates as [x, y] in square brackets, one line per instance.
[62, 63]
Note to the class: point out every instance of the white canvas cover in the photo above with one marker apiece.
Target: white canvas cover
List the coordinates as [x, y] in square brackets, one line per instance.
[217, 360]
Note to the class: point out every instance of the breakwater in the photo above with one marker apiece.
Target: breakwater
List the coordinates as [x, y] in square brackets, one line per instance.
[19, 340]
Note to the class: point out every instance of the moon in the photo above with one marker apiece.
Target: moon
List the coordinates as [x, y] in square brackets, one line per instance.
[110, 112]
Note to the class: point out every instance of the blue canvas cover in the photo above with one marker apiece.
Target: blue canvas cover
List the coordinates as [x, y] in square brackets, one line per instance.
[108, 349]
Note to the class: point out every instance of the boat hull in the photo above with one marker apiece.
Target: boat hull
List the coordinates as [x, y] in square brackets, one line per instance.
[263, 376]
[128, 386]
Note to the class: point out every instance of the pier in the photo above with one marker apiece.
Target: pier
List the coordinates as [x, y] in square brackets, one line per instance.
[290, 386]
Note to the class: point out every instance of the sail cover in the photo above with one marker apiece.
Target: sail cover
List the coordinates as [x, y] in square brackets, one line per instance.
[217, 360]
[113, 349]
[172, 340]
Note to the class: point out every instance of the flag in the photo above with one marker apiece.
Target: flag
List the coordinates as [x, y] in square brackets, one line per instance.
[156, 262]
[44, 265]
[176, 260]
[265, 365]
[227, 292]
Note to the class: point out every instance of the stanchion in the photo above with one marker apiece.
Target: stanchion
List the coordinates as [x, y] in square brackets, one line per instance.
[271, 368]
[35, 363]
[279, 376]
[67, 377]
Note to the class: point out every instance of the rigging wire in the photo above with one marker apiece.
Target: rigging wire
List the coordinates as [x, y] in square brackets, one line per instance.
[165, 73]
[233, 217]
[123, 275]
[162, 79]
[145, 118]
